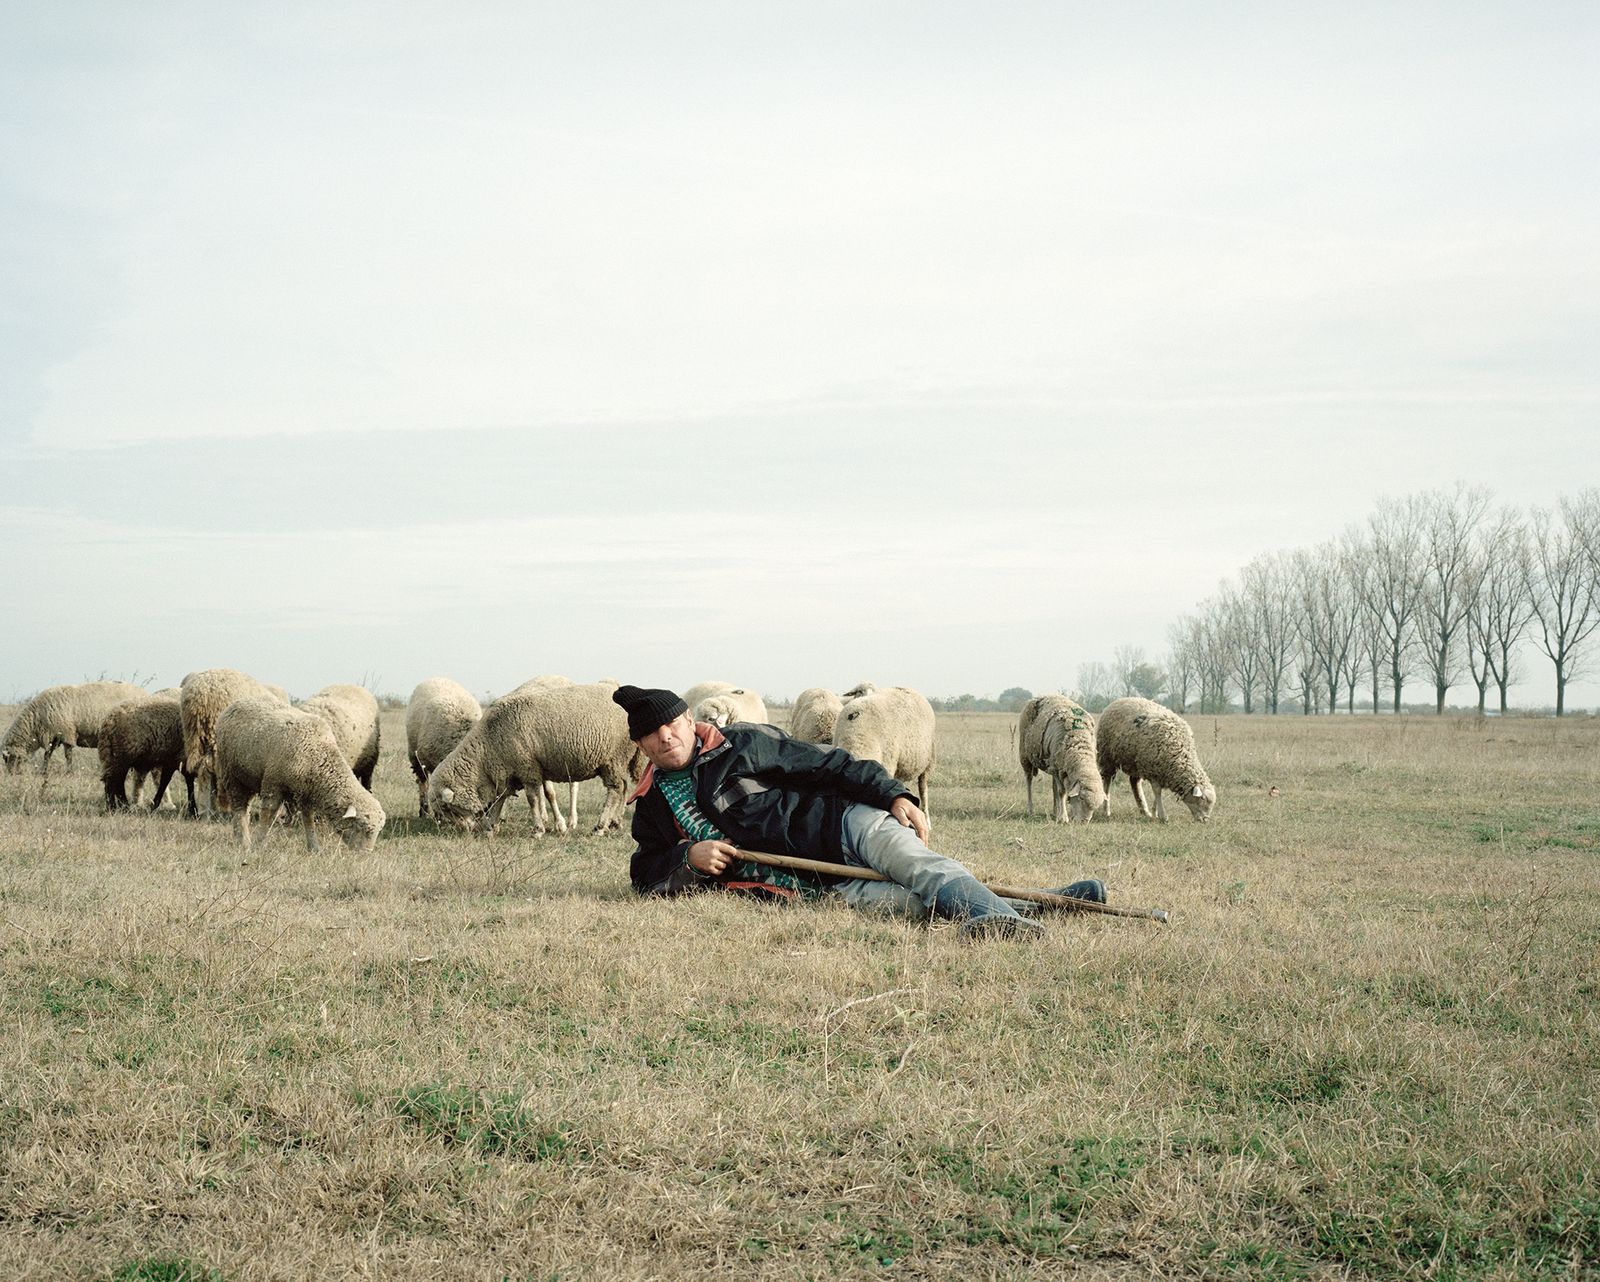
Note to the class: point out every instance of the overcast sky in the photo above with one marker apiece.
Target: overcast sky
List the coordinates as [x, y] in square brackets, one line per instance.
[950, 345]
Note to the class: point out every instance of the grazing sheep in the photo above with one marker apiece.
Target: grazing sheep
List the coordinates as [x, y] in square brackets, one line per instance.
[812, 718]
[438, 714]
[290, 758]
[893, 727]
[202, 697]
[67, 716]
[1155, 744]
[352, 713]
[696, 694]
[547, 796]
[144, 735]
[730, 706]
[566, 735]
[1057, 735]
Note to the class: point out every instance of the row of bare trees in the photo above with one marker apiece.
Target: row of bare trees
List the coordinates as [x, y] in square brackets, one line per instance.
[1441, 587]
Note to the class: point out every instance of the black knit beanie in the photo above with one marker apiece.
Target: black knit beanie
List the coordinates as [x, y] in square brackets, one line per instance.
[647, 709]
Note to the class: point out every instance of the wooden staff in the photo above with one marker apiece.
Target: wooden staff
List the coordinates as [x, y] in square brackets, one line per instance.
[1005, 892]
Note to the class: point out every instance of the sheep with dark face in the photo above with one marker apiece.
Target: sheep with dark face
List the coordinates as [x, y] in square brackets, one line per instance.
[290, 758]
[563, 735]
[438, 715]
[66, 716]
[1057, 735]
[352, 714]
[1152, 743]
[895, 728]
[144, 736]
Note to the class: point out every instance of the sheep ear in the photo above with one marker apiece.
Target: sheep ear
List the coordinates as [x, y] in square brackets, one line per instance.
[447, 795]
[1075, 790]
[1199, 791]
[350, 813]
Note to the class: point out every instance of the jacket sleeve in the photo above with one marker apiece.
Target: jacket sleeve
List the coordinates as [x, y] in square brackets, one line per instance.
[774, 756]
[660, 864]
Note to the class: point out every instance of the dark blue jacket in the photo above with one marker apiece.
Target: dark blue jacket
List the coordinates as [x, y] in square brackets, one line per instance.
[766, 791]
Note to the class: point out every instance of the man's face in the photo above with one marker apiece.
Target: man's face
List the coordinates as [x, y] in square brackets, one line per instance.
[670, 747]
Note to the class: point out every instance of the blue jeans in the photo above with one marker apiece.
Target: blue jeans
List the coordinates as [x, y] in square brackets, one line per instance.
[922, 883]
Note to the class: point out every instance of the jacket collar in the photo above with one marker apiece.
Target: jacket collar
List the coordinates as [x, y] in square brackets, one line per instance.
[705, 733]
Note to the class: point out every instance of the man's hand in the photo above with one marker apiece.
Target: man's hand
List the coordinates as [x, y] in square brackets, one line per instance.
[911, 816]
[712, 856]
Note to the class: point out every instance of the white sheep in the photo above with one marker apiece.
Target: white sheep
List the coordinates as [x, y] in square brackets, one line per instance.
[1154, 744]
[290, 758]
[547, 796]
[352, 714]
[893, 727]
[145, 736]
[67, 717]
[696, 694]
[565, 735]
[202, 697]
[1057, 735]
[812, 718]
[438, 714]
[731, 705]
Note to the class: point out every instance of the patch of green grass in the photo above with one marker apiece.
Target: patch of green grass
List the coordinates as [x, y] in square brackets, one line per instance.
[492, 1123]
[1454, 1222]
[165, 1268]
[1039, 1207]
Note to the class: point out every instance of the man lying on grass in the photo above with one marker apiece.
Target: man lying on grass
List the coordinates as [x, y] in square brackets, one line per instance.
[707, 792]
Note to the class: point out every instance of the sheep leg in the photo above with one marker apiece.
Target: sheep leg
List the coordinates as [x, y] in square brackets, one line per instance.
[188, 783]
[922, 789]
[1057, 796]
[548, 793]
[66, 754]
[1027, 777]
[240, 805]
[1161, 810]
[116, 790]
[572, 823]
[162, 780]
[309, 823]
[491, 816]
[422, 783]
[1138, 796]
[44, 766]
[616, 791]
[536, 784]
[542, 802]
[137, 791]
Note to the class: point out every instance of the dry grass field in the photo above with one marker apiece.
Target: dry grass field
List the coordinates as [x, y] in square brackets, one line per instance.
[1366, 1046]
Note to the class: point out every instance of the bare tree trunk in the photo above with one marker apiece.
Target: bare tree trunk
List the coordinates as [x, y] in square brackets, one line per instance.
[1502, 698]
[1439, 692]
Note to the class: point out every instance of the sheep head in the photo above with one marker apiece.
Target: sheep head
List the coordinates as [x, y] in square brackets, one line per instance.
[359, 826]
[1200, 799]
[448, 805]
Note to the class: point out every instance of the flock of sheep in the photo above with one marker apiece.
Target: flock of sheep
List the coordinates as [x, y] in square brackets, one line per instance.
[235, 739]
